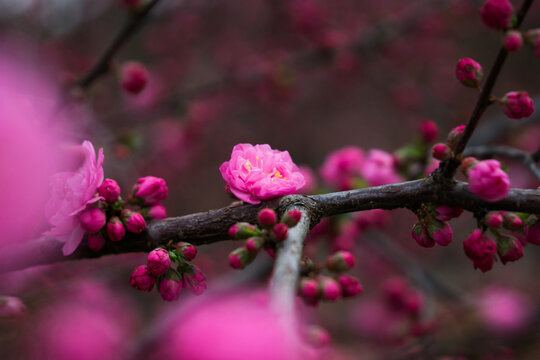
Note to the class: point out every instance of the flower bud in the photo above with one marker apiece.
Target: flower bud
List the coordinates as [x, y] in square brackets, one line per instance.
[488, 180]
[267, 218]
[11, 307]
[340, 261]
[158, 262]
[509, 249]
[279, 232]
[469, 72]
[494, 219]
[517, 105]
[445, 213]
[329, 288]
[150, 189]
[115, 229]
[243, 230]
[291, 218]
[441, 152]
[170, 287]
[454, 135]
[254, 244]
[187, 250]
[532, 37]
[512, 221]
[420, 234]
[512, 41]
[141, 279]
[497, 14]
[429, 131]
[441, 233]
[133, 77]
[350, 286]
[95, 241]
[157, 212]
[309, 288]
[92, 220]
[240, 258]
[109, 189]
[467, 164]
[133, 220]
[481, 250]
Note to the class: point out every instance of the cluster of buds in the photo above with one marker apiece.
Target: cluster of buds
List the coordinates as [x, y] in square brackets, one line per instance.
[110, 216]
[432, 226]
[315, 286]
[170, 279]
[444, 151]
[486, 178]
[264, 236]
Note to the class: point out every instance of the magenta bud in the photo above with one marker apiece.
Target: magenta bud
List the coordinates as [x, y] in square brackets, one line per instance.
[254, 244]
[133, 220]
[441, 152]
[329, 288]
[340, 261]
[350, 286]
[110, 190]
[445, 213]
[267, 218]
[441, 233]
[413, 302]
[279, 232]
[512, 40]
[95, 241]
[454, 135]
[150, 189]
[187, 250]
[291, 218]
[480, 249]
[240, 258]
[115, 229]
[494, 219]
[469, 72]
[517, 105]
[509, 249]
[158, 262]
[170, 287]
[512, 221]
[157, 212]
[420, 234]
[243, 230]
[309, 288]
[497, 14]
[429, 131]
[133, 77]
[92, 219]
[141, 279]
[11, 307]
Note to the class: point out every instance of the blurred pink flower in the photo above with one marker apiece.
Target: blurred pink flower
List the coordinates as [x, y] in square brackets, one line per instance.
[342, 167]
[71, 193]
[379, 168]
[258, 172]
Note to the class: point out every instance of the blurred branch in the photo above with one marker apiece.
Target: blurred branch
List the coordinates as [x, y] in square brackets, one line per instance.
[484, 100]
[213, 226]
[527, 159]
[102, 65]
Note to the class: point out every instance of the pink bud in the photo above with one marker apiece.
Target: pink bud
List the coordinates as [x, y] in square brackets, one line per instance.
[309, 288]
[158, 262]
[420, 234]
[509, 249]
[157, 212]
[11, 307]
[141, 279]
[350, 286]
[497, 14]
[454, 135]
[240, 258]
[467, 164]
[442, 235]
[517, 105]
[92, 219]
[429, 131]
[481, 250]
[445, 213]
[133, 220]
[469, 72]
[291, 218]
[489, 181]
[330, 289]
[340, 261]
[150, 189]
[512, 221]
[494, 219]
[243, 230]
[413, 302]
[95, 241]
[188, 251]
[513, 40]
[110, 190]
[169, 289]
[254, 244]
[134, 77]
[279, 232]
[267, 218]
[115, 229]
[441, 152]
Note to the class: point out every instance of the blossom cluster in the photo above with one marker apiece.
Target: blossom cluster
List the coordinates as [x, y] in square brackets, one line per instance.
[432, 226]
[170, 279]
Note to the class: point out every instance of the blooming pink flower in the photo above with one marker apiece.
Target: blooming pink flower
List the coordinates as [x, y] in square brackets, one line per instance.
[480, 249]
[497, 14]
[71, 193]
[342, 167]
[258, 172]
[195, 282]
[488, 180]
[379, 168]
[469, 72]
[517, 105]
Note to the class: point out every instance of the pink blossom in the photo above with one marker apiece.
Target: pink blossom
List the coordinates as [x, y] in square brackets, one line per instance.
[379, 168]
[157, 212]
[480, 249]
[342, 167]
[517, 105]
[309, 177]
[488, 180]
[469, 72]
[258, 172]
[497, 14]
[195, 282]
[72, 192]
[503, 310]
